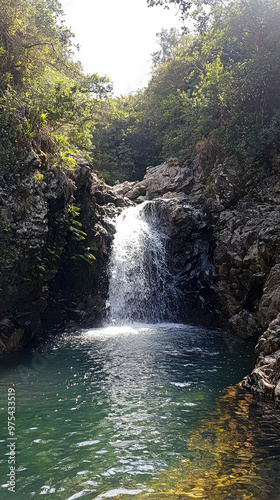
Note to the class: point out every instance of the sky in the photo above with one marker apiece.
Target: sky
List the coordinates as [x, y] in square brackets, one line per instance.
[117, 38]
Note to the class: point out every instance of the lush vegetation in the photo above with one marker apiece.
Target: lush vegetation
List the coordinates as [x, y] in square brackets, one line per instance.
[213, 91]
[45, 98]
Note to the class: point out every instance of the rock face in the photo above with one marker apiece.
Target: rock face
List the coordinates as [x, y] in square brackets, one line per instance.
[167, 180]
[241, 286]
[190, 255]
[224, 249]
[78, 292]
[246, 258]
[47, 245]
[264, 381]
[243, 228]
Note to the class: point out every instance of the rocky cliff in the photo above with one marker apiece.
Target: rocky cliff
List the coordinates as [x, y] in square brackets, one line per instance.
[57, 228]
[243, 236]
[54, 239]
[240, 290]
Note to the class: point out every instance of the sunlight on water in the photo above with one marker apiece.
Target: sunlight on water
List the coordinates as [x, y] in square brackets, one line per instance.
[224, 457]
[109, 332]
[126, 330]
[130, 412]
[137, 411]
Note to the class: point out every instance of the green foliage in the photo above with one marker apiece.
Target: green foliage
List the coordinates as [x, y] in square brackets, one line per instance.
[237, 91]
[38, 177]
[215, 88]
[85, 254]
[39, 268]
[197, 10]
[44, 94]
[28, 130]
[168, 41]
[74, 212]
[214, 93]
[123, 141]
[80, 249]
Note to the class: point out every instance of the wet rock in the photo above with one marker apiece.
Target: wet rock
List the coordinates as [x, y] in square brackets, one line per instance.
[190, 254]
[244, 324]
[270, 301]
[164, 180]
[264, 379]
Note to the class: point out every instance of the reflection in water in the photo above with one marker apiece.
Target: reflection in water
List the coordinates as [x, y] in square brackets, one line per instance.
[225, 459]
[122, 411]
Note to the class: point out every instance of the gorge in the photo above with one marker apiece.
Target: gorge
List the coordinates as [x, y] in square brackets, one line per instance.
[176, 333]
[222, 249]
[140, 260]
[184, 281]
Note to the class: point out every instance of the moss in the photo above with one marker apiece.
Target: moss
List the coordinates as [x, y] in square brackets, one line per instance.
[38, 177]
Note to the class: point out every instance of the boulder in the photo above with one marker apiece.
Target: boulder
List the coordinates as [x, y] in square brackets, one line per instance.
[264, 381]
[164, 180]
[244, 324]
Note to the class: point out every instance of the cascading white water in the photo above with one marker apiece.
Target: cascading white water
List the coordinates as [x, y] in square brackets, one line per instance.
[141, 287]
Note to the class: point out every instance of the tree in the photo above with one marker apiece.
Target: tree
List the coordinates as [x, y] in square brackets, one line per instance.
[197, 10]
[44, 94]
[215, 89]
[168, 41]
[32, 35]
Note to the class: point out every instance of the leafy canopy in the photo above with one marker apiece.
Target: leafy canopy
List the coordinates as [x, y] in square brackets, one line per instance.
[44, 95]
[212, 92]
[198, 11]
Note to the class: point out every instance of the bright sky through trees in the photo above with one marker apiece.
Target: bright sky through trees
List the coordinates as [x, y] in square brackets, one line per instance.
[118, 37]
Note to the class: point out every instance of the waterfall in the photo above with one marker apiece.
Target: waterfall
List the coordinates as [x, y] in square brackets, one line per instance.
[141, 286]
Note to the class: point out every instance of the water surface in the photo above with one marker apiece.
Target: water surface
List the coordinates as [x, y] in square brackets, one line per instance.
[106, 411]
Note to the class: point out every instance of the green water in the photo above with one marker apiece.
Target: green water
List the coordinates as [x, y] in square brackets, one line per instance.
[108, 412]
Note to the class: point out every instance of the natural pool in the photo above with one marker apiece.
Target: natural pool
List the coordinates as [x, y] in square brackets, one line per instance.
[138, 412]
